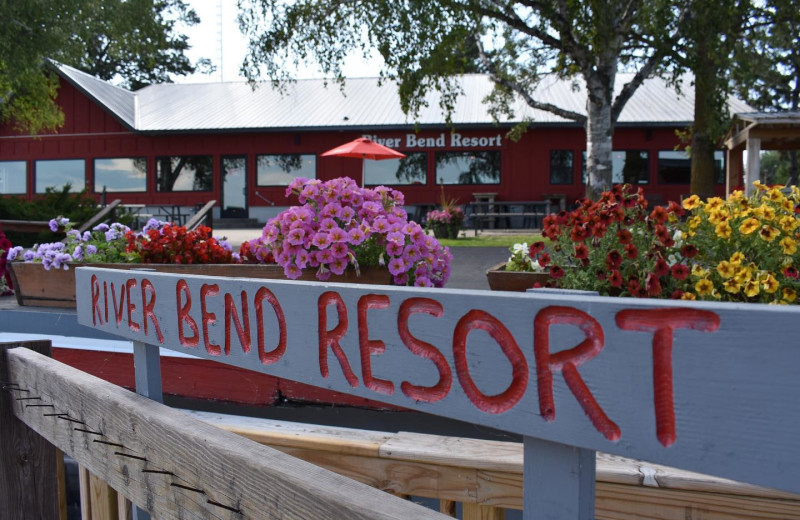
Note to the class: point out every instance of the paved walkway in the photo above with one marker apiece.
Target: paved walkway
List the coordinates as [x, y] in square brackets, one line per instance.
[468, 267]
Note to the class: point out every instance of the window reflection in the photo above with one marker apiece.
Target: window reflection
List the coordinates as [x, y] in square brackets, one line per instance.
[13, 178]
[184, 173]
[58, 173]
[120, 174]
[468, 167]
[412, 169]
[280, 170]
[561, 166]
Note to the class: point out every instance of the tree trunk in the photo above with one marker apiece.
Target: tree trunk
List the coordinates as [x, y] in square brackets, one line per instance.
[599, 131]
[702, 177]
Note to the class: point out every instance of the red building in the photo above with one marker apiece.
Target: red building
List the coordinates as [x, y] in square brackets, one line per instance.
[184, 144]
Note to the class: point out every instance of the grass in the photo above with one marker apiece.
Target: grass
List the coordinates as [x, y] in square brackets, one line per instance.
[490, 240]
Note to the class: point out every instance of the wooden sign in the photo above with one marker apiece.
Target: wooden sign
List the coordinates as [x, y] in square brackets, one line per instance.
[706, 387]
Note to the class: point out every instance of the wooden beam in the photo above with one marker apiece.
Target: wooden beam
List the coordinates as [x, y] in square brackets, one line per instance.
[753, 171]
[28, 470]
[178, 467]
[100, 216]
[200, 216]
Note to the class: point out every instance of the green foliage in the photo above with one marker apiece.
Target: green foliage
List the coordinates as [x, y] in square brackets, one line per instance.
[135, 40]
[77, 207]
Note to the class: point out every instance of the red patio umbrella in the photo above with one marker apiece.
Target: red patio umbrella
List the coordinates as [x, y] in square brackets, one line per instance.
[363, 148]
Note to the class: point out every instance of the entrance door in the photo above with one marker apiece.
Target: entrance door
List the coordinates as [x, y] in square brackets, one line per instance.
[234, 187]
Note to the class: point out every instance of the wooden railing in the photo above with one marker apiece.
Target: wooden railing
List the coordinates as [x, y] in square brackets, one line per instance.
[173, 465]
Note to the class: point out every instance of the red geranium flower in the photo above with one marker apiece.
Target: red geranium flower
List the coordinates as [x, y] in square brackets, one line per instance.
[633, 286]
[791, 272]
[662, 268]
[677, 294]
[631, 251]
[689, 251]
[624, 236]
[613, 259]
[535, 248]
[615, 278]
[544, 259]
[679, 271]
[556, 272]
[653, 285]
[659, 214]
[581, 251]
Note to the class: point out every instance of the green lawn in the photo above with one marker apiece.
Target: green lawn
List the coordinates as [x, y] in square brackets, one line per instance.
[487, 240]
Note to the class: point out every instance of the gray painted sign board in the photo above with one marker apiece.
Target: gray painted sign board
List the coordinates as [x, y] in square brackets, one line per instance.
[695, 385]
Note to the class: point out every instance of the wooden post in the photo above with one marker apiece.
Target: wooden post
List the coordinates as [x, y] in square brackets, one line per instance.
[753, 171]
[28, 473]
[147, 368]
[558, 481]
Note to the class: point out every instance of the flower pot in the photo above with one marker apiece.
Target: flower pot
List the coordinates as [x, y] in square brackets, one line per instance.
[502, 280]
[34, 286]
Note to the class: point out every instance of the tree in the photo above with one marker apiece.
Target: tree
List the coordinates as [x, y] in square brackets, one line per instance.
[710, 32]
[775, 50]
[132, 41]
[424, 43]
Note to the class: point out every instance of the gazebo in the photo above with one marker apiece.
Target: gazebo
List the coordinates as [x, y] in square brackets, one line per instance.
[756, 131]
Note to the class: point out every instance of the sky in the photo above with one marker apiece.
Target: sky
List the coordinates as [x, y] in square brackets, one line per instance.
[218, 18]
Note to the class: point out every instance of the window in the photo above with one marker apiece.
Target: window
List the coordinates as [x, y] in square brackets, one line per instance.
[412, 169]
[121, 174]
[630, 167]
[186, 173]
[675, 167]
[468, 167]
[58, 173]
[13, 178]
[627, 167]
[280, 170]
[561, 162]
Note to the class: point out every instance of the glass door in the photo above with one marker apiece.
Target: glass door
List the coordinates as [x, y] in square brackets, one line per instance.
[234, 186]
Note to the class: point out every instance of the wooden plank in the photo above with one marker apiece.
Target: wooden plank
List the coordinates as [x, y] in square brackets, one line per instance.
[28, 470]
[447, 507]
[558, 481]
[478, 512]
[200, 216]
[125, 511]
[633, 392]
[101, 216]
[621, 502]
[210, 471]
[85, 493]
[103, 499]
[61, 477]
[454, 451]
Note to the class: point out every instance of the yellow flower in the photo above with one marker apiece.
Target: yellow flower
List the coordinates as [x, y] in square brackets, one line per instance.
[726, 269]
[752, 288]
[699, 272]
[775, 194]
[770, 284]
[759, 185]
[789, 245]
[769, 233]
[714, 203]
[718, 216]
[691, 202]
[723, 230]
[749, 225]
[744, 275]
[737, 258]
[735, 196]
[694, 222]
[787, 223]
[764, 212]
[688, 296]
[732, 286]
[704, 287]
[789, 294]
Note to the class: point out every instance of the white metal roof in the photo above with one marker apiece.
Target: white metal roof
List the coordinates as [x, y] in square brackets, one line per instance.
[363, 103]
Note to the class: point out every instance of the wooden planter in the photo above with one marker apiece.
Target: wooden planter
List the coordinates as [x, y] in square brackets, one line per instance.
[520, 281]
[34, 286]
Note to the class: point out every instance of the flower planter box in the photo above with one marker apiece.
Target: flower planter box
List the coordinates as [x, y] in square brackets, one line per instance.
[520, 281]
[34, 286]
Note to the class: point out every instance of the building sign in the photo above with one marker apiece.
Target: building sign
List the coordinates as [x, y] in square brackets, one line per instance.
[443, 140]
[688, 384]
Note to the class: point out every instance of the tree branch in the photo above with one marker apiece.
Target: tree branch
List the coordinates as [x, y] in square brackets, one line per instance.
[518, 89]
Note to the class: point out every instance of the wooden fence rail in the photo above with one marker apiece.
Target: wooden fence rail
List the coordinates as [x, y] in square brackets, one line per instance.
[175, 466]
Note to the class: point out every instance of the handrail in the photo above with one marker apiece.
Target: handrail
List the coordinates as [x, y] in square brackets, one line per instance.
[260, 196]
[100, 216]
[200, 216]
